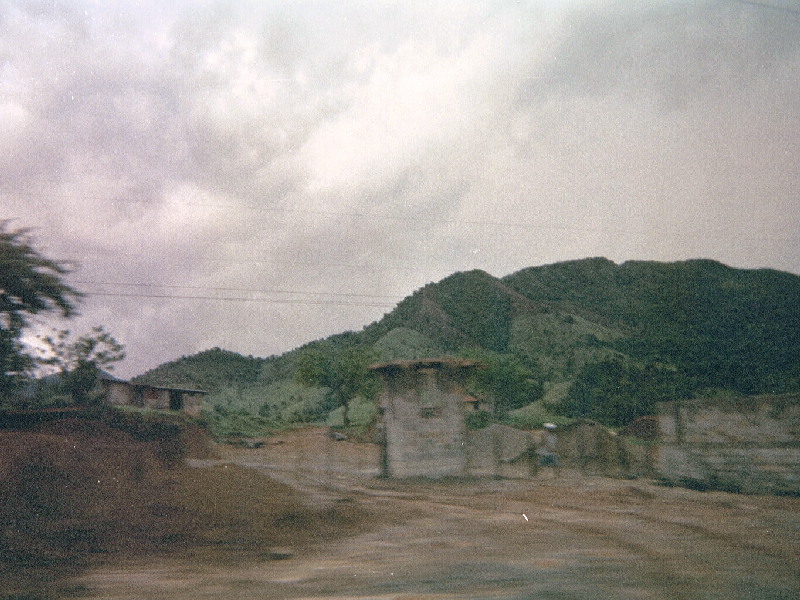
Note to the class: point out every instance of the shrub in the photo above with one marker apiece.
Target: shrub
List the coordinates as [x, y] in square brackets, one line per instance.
[478, 419]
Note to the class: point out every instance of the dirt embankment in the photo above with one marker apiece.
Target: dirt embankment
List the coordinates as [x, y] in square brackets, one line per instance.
[76, 492]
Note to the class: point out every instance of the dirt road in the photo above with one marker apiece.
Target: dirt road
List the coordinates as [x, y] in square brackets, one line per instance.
[576, 537]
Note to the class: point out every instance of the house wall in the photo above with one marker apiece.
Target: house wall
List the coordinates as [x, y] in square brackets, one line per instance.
[144, 396]
[192, 404]
[424, 425]
[118, 392]
[748, 444]
[155, 398]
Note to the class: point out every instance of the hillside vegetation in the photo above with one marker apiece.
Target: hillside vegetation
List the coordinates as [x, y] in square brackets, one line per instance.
[584, 338]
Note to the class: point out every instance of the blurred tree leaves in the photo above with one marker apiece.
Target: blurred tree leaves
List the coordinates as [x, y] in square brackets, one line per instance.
[30, 283]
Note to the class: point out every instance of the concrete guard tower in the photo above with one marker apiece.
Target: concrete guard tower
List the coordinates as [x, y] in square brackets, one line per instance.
[423, 406]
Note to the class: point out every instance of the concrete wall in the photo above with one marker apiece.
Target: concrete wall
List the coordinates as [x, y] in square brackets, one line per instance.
[125, 393]
[501, 451]
[749, 444]
[592, 448]
[423, 407]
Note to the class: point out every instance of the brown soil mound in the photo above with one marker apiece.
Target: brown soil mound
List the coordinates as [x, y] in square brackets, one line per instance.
[82, 428]
[75, 491]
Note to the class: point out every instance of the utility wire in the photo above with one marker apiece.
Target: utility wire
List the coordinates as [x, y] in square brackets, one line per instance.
[781, 7]
[243, 299]
[230, 289]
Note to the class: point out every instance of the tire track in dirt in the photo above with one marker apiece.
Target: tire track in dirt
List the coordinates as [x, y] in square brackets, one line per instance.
[578, 537]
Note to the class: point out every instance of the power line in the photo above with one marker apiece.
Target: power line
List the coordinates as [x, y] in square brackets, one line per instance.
[790, 9]
[244, 299]
[231, 289]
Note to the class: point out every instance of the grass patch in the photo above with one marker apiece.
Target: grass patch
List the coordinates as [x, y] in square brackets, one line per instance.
[361, 412]
[239, 424]
[534, 416]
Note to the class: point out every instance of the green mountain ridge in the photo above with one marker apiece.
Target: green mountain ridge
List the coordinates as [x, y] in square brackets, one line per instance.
[712, 327]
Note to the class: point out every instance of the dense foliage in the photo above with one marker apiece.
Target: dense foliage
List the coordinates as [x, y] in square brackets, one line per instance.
[211, 370]
[719, 327]
[504, 381]
[30, 283]
[616, 392]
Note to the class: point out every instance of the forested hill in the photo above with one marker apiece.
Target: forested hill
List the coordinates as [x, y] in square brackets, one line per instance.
[695, 327]
[723, 327]
[209, 370]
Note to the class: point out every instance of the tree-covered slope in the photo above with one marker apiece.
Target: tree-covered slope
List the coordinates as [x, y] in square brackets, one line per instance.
[722, 327]
[465, 310]
[211, 370]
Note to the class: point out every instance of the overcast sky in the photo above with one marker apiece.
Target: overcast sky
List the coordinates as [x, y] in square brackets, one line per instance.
[315, 162]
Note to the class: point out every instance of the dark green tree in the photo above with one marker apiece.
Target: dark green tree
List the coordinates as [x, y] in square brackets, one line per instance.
[615, 391]
[343, 372]
[30, 283]
[505, 381]
[79, 360]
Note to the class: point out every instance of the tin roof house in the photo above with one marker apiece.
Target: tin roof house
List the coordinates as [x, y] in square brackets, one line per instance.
[119, 392]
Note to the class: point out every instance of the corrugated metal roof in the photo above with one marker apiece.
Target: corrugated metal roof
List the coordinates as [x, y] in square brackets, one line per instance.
[427, 363]
[175, 388]
[169, 388]
[106, 376]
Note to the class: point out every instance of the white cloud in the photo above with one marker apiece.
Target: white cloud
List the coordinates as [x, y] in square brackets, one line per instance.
[16, 120]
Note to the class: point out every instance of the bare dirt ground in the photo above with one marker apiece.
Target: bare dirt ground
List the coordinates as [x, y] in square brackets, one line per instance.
[332, 529]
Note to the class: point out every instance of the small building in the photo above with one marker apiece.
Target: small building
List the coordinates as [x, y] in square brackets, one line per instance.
[119, 392]
[423, 404]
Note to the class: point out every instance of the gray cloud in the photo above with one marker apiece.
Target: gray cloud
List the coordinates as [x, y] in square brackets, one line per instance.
[313, 163]
[670, 53]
